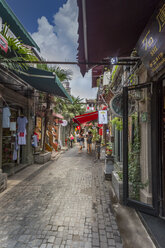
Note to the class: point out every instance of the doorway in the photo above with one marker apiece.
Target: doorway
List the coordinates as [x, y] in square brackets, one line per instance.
[141, 147]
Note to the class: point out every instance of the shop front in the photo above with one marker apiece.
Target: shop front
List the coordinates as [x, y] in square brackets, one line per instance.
[16, 124]
[143, 171]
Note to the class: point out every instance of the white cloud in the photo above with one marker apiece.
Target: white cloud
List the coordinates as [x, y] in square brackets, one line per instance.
[58, 42]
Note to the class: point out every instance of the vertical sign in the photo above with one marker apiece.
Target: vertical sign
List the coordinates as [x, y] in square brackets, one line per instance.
[151, 45]
[102, 117]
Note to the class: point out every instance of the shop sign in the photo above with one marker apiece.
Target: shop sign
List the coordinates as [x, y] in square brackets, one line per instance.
[3, 43]
[116, 105]
[102, 117]
[38, 122]
[150, 46]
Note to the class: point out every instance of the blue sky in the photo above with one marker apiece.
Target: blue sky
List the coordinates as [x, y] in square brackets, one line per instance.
[28, 11]
[53, 25]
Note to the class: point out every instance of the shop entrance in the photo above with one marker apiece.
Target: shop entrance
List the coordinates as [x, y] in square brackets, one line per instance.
[11, 155]
[141, 148]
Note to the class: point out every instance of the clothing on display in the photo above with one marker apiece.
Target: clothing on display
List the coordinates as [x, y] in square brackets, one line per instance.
[35, 141]
[22, 121]
[15, 148]
[22, 138]
[6, 117]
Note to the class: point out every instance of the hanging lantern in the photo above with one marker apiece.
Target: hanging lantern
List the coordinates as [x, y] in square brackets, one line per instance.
[101, 131]
[78, 127]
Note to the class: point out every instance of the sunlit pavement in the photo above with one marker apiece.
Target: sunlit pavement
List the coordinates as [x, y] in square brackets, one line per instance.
[65, 205]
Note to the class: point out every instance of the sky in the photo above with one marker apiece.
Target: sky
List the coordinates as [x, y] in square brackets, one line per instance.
[53, 25]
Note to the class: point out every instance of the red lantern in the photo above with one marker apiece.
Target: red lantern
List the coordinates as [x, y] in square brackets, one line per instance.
[78, 127]
[101, 131]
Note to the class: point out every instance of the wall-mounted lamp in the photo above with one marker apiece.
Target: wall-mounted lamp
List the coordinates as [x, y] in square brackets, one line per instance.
[114, 60]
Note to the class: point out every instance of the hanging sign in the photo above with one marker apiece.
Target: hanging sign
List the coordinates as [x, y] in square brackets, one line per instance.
[102, 117]
[116, 105]
[64, 123]
[3, 43]
[150, 46]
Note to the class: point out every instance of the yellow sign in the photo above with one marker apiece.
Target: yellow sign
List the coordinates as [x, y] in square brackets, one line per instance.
[38, 122]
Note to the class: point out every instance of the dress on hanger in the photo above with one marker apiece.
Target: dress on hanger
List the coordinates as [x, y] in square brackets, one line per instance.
[6, 117]
[22, 121]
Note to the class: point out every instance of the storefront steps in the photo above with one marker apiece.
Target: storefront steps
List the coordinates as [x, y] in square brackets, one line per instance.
[13, 169]
[132, 230]
[3, 182]
[41, 158]
[155, 227]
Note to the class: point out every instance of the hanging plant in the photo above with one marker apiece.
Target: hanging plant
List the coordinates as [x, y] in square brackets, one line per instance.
[118, 123]
[17, 52]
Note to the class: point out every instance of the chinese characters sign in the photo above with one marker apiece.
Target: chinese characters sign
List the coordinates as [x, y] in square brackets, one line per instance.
[151, 45]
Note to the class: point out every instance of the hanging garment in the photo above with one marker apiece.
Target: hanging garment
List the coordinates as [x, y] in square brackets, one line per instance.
[15, 149]
[6, 117]
[22, 138]
[22, 121]
[34, 143]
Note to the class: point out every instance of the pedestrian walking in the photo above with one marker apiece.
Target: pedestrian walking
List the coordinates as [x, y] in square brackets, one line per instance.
[71, 140]
[89, 142]
[81, 140]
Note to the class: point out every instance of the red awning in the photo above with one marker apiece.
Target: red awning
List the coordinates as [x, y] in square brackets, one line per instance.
[110, 28]
[97, 71]
[79, 119]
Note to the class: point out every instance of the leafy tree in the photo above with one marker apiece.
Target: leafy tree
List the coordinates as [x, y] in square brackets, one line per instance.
[69, 110]
[63, 75]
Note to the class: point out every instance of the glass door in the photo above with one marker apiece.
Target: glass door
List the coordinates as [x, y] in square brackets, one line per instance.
[140, 148]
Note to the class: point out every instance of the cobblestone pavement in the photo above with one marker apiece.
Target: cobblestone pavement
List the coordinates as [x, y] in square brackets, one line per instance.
[66, 205]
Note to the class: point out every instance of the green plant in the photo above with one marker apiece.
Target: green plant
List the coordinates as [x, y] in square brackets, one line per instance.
[96, 136]
[114, 72]
[118, 123]
[120, 174]
[17, 52]
[134, 168]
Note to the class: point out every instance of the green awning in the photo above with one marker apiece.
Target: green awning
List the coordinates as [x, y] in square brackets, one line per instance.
[44, 81]
[16, 27]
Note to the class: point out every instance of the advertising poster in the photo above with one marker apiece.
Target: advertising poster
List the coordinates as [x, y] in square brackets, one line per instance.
[102, 117]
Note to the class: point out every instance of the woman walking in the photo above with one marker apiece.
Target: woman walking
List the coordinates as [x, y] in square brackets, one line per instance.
[89, 142]
[71, 140]
[81, 139]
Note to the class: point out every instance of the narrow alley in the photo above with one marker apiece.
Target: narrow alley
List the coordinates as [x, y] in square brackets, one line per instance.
[63, 205]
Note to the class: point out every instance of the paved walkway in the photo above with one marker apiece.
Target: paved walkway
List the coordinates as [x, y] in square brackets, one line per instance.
[65, 205]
